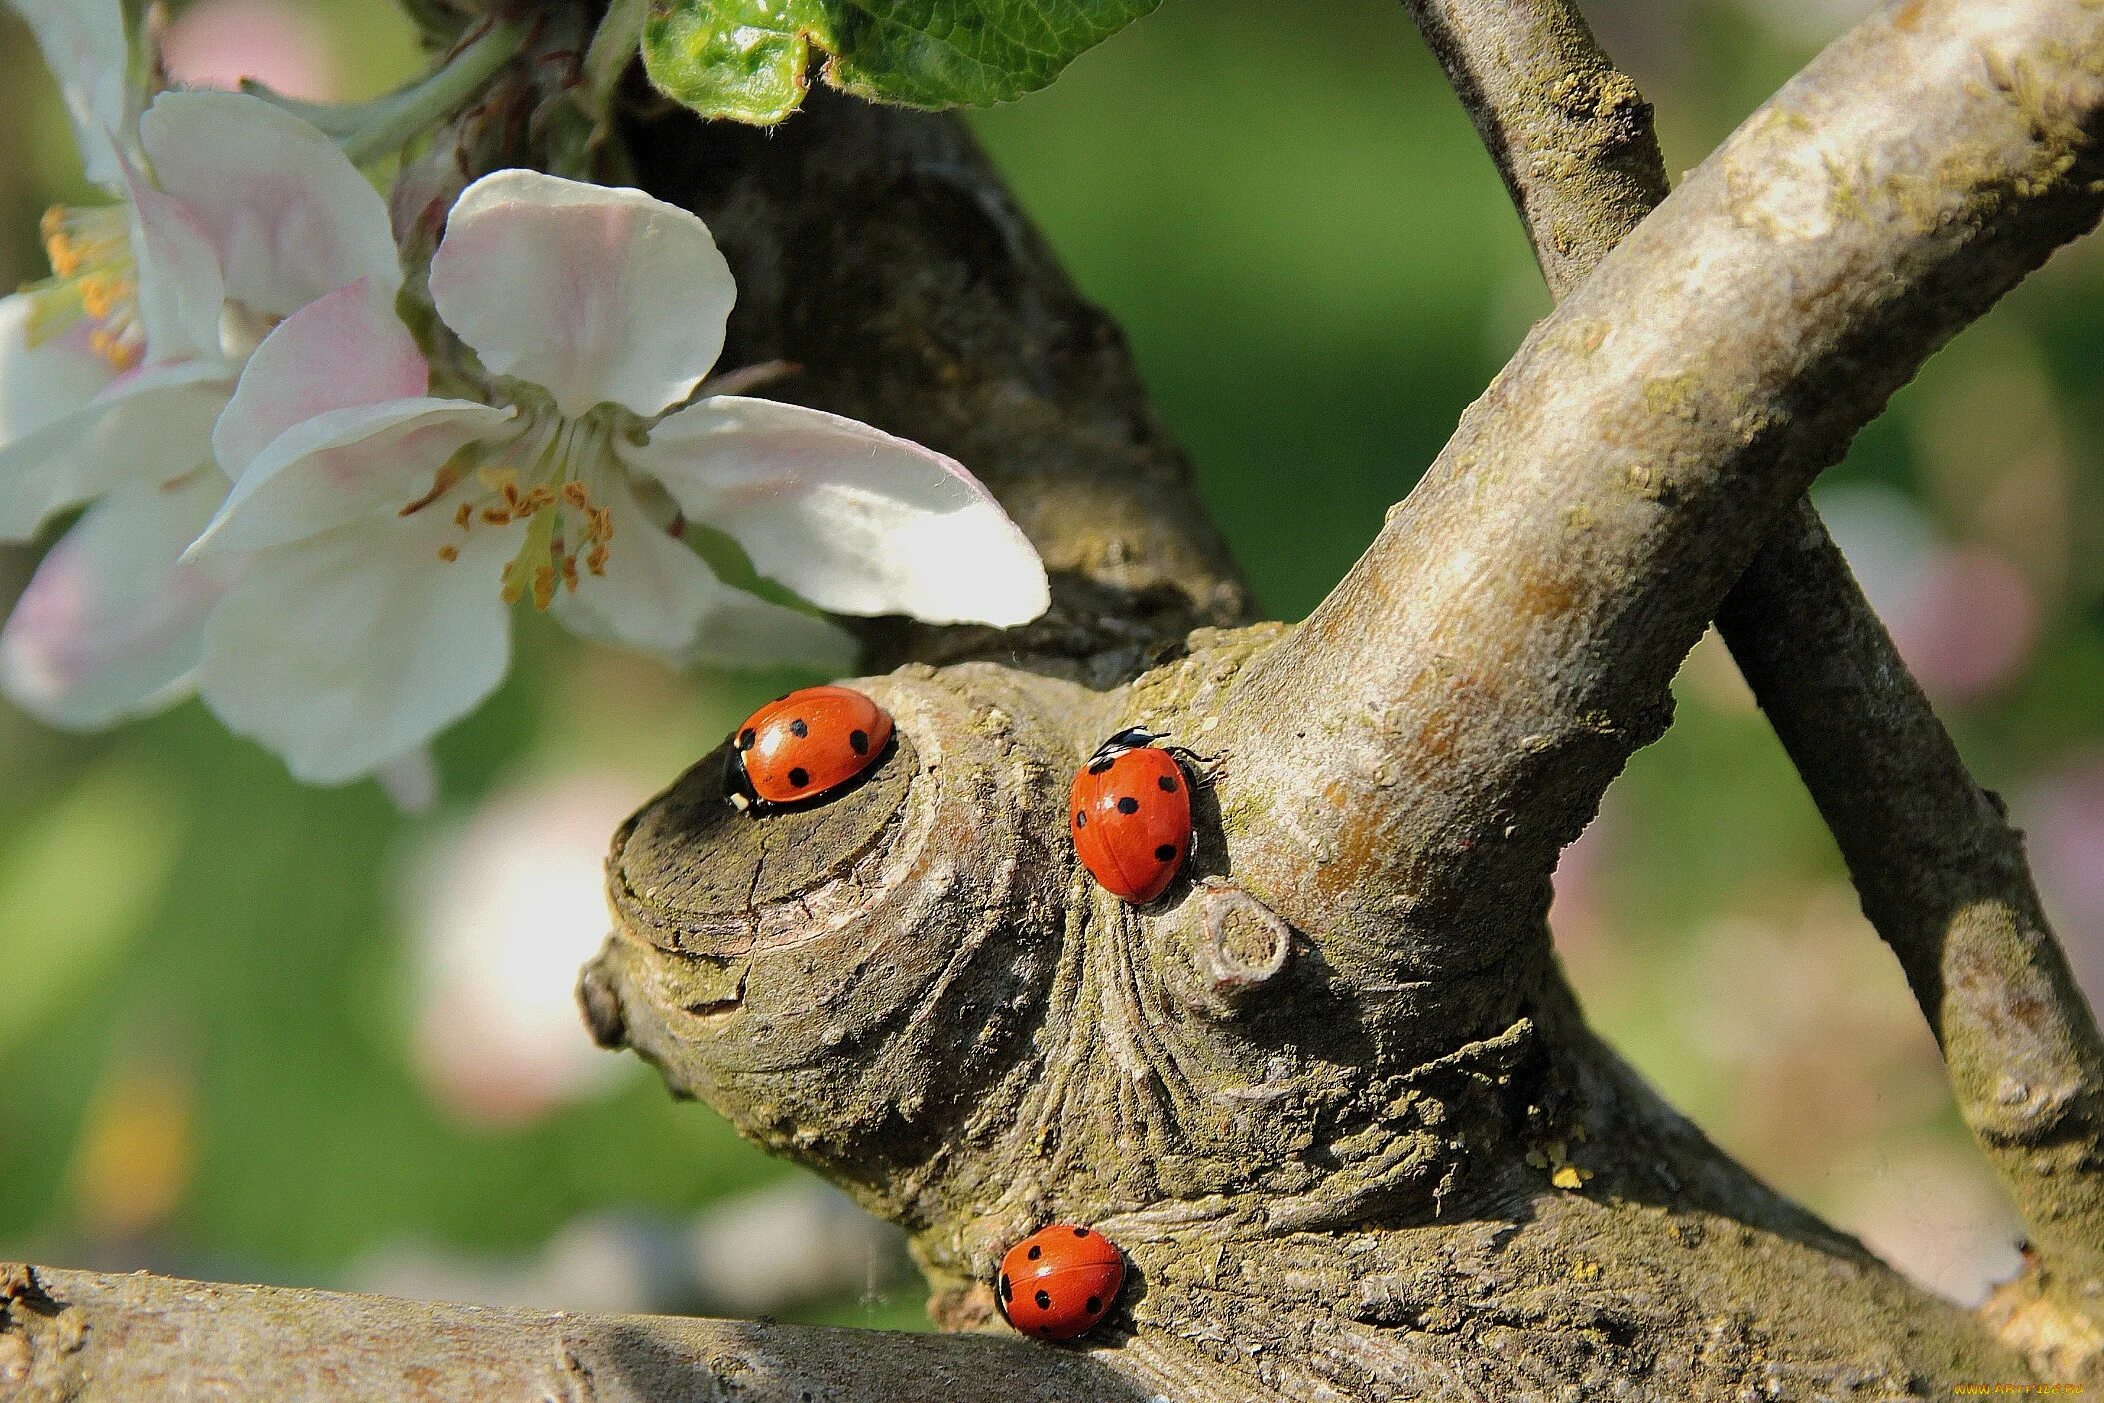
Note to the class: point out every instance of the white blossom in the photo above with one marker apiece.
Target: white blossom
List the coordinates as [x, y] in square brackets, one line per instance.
[387, 530]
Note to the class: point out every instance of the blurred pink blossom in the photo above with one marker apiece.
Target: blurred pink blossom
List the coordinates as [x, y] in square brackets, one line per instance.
[504, 909]
[217, 43]
[1964, 618]
[2063, 821]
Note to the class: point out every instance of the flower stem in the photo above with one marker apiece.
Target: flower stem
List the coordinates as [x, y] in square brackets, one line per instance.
[369, 130]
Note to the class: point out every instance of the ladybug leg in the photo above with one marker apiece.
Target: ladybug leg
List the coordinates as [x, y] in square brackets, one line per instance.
[1204, 769]
[738, 790]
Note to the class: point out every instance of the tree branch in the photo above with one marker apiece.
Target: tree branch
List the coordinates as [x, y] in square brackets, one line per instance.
[1942, 876]
[1569, 132]
[67, 1335]
[1507, 641]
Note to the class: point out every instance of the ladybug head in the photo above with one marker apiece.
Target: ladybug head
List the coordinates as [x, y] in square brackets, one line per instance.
[1131, 738]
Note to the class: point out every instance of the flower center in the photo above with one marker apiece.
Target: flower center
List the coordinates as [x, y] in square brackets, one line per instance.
[543, 477]
[93, 279]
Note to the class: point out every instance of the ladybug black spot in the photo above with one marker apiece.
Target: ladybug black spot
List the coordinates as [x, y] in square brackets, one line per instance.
[798, 729]
[860, 741]
[799, 776]
[1044, 1300]
[1007, 1288]
[1095, 1304]
[746, 738]
[1081, 820]
[1165, 852]
[1081, 1232]
[1097, 767]
[1128, 805]
[1168, 783]
[1036, 1252]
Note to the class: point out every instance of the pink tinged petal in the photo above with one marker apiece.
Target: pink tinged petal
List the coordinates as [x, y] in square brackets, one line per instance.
[84, 45]
[42, 384]
[341, 351]
[851, 518]
[347, 652]
[152, 425]
[597, 295]
[290, 216]
[180, 291]
[657, 595]
[218, 43]
[362, 463]
[113, 622]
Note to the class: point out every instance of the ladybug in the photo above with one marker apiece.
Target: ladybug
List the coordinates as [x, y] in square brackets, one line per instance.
[1130, 816]
[804, 746]
[1059, 1281]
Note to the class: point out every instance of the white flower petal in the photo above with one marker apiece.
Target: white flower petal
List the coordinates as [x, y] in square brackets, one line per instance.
[659, 596]
[290, 216]
[850, 517]
[153, 425]
[42, 384]
[366, 461]
[180, 289]
[347, 652]
[340, 351]
[112, 624]
[597, 295]
[84, 45]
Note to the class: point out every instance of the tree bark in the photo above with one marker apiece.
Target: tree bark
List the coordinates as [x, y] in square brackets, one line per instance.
[1941, 873]
[1330, 1093]
[124, 1339]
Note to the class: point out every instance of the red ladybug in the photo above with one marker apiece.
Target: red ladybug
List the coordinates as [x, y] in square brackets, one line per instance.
[1131, 816]
[1059, 1281]
[806, 745]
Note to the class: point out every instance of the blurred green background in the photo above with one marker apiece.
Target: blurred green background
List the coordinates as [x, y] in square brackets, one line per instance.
[257, 1031]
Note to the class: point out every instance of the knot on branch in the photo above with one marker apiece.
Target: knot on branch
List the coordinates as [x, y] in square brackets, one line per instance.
[916, 988]
[1242, 946]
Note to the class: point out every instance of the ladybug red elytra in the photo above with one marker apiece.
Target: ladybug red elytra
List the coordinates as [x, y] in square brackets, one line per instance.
[803, 746]
[1059, 1281]
[1130, 816]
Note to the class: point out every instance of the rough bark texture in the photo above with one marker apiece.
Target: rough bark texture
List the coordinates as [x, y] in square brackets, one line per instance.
[1942, 875]
[1331, 1093]
[130, 1339]
[1570, 133]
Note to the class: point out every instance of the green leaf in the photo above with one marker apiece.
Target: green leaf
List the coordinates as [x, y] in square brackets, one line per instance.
[746, 59]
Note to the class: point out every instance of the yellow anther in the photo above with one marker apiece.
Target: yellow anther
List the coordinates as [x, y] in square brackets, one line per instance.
[543, 586]
[496, 516]
[103, 295]
[449, 554]
[595, 560]
[569, 564]
[465, 517]
[576, 496]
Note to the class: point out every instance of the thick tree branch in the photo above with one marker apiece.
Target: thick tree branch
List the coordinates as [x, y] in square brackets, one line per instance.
[1490, 663]
[1942, 876]
[73, 1335]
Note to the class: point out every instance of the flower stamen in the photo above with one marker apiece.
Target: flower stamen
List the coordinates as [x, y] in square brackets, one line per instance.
[93, 279]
